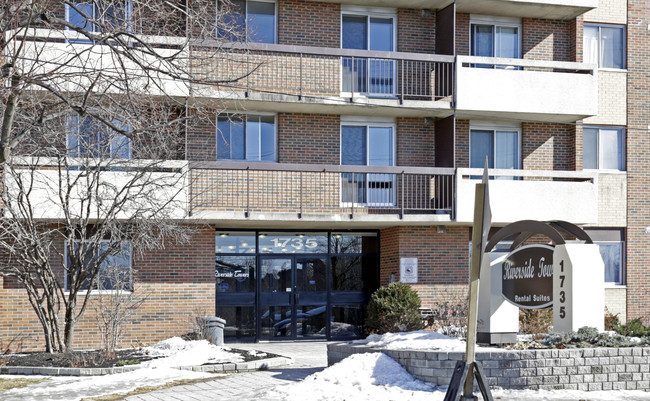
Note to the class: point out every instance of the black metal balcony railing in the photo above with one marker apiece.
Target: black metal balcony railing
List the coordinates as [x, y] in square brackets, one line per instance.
[319, 189]
[318, 71]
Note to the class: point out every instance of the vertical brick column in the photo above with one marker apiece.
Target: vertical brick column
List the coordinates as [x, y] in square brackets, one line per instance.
[638, 159]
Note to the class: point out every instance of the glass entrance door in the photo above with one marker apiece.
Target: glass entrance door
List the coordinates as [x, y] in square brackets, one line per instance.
[293, 297]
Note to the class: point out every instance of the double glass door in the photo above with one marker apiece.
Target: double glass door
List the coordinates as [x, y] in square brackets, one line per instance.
[293, 297]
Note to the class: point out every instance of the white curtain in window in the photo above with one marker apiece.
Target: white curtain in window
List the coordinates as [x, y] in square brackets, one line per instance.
[611, 149]
[507, 150]
[590, 45]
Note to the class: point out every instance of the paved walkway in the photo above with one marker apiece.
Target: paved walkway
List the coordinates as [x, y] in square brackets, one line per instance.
[309, 357]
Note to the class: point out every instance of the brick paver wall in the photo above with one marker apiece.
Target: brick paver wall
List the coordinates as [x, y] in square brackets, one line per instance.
[547, 146]
[587, 369]
[638, 160]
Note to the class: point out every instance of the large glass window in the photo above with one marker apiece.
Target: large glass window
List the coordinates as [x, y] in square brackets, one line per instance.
[368, 145]
[612, 254]
[91, 16]
[115, 272]
[368, 75]
[250, 138]
[495, 38]
[88, 137]
[501, 146]
[604, 45]
[253, 20]
[603, 148]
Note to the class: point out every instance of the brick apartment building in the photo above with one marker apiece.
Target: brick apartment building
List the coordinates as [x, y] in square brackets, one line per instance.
[357, 143]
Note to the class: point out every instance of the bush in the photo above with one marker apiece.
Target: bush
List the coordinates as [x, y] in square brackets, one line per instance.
[536, 321]
[611, 320]
[393, 308]
[633, 328]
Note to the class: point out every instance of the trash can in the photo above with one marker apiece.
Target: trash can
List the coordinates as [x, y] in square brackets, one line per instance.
[214, 329]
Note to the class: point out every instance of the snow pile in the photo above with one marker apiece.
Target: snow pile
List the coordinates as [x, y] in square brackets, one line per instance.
[423, 340]
[369, 377]
[176, 352]
[73, 388]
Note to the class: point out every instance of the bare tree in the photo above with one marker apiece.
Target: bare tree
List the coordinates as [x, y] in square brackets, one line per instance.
[96, 97]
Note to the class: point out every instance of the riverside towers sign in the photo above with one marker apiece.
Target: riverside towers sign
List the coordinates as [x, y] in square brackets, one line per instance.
[527, 277]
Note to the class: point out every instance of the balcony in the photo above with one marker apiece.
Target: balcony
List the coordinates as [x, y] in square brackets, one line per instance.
[527, 194]
[254, 194]
[88, 189]
[526, 89]
[309, 79]
[553, 9]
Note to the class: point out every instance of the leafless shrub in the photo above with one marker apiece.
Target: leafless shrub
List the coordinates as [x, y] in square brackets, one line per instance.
[117, 303]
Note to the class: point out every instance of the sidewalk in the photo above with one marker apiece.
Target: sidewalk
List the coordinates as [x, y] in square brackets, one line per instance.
[309, 357]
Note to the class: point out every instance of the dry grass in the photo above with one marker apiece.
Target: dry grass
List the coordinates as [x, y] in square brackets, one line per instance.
[148, 389]
[8, 384]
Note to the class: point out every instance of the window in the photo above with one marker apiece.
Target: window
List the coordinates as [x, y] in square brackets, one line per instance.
[603, 148]
[88, 137]
[604, 45]
[110, 14]
[368, 31]
[253, 20]
[500, 145]
[495, 37]
[368, 145]
[250, 138]
[115, 272]
[612, 254]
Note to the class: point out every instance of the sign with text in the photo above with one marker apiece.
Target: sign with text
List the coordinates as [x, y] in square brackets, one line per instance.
[408, 270]
[527, 277]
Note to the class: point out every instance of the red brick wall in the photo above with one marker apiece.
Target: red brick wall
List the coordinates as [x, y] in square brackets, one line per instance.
[416, 32]
[462, 34]
[548, 146]
[462, 143]
[638, 159]
[177, 280]
[545, 39]
[308, 23]
[201, 140]
[309, 138]
[415, 143]
[443, 260]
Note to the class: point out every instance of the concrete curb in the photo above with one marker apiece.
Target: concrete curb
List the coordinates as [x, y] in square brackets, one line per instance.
[261, 364]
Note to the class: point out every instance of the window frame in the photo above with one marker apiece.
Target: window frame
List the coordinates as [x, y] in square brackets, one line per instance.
[244, 117]
[369, 12]
[73, 129]
[128, 17]
[96, 291]
[495, 22]
[599, 57]
[622, 160]
[246, 32]
[486, 126]
[368, 123]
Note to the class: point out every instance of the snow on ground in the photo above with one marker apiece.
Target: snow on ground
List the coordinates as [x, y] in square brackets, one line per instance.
[414, 340]
[376, 376]
[178, 352]
[172, 352]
